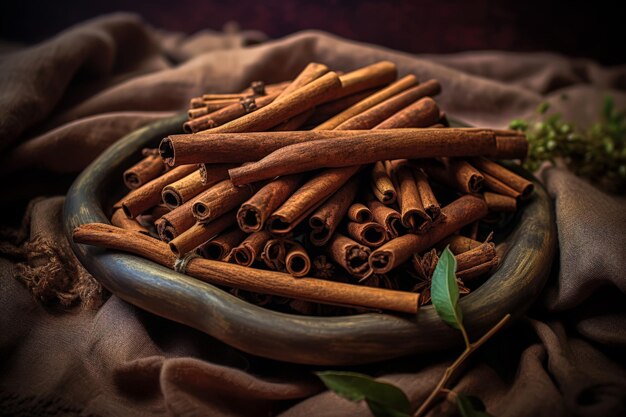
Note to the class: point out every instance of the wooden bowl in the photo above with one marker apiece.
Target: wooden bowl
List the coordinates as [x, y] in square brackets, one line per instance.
[528, 252]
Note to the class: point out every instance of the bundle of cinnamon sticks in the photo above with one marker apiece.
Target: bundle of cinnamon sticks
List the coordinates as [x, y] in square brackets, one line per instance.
[347, 180]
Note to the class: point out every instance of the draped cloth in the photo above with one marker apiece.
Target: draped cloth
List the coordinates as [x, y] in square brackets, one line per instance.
[68, 349]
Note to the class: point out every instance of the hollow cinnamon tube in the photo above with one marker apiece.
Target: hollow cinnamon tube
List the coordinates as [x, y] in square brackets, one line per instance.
[297, 261]
[326, 218]
[252, 214]
[250, 249]
[377, 114]
[150, 167]
[498, 202]
[367, 77]
[459, 244]
[307, 198]
[456, 173]
[176, 221]
[357, 149]
[382, 186]
[219, 199]
[369, 102]
[498, 186]
[387, 217]
[351, 255]
[120, 220]
[359, 213]
[369, 234]
[213, 173]
[476, 262]
[209, 107]
[274, 254]
[181, 191]
[226, 114]
[220, 247]
[429, 201]
[327, 110]
[459, 213]
[422, 113]
[249, 279]
[304, 98]
[414, 216]
[311, 72]
[159, 210]
[511, 179]
[149, 195]
[200, 233]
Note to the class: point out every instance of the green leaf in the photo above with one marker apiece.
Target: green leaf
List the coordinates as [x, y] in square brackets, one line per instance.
[470, 406]
[444, 290]
[382, 398]
[543, 107]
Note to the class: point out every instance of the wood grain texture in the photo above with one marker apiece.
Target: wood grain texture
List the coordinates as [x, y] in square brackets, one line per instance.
[527, 256]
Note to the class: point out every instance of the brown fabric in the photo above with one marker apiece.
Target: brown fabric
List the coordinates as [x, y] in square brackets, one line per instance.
[67, 99]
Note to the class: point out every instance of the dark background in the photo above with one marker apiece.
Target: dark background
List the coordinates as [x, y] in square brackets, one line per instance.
[592, 29]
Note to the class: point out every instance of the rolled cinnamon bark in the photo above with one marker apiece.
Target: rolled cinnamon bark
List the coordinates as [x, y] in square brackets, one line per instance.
[422, 113]
[327, 110]
[310, 73]
[498, 202]
[358, 150]
[382, 186]
[253, 213]
[159, 210]
[250, 249]
[380, 112]
[219, 248]
[414, 216]
[274, 254]
[387, 217]
[369, 102]
[209, 107]
[307, 198]
[455, 173]
[226, 114]
[429, 201]
[150, 167]
[497, 186]
[250, 279]
[176, 221]
[120, 220]
[213, 173]
[148, 195]
[304, 98]
[219, 199]
[369, 234]
[511, 179]
[459, 213]
[181, 191]
[294, 123]
[359, 213]
[297, 261]
[459, 244]
[351, 255]
[326, 218]
[200, 233]
[367, 77]
[477, 261]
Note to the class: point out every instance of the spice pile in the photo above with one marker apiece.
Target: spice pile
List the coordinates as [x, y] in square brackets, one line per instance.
[353, 179]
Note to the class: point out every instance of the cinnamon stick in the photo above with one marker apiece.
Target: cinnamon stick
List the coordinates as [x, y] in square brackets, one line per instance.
[311, 72]
[175, 222]
[422, 113]
[297, 261]
[250, 249]
[369, 102]
[213, 173]
[367, 77]
[253, 213]
[455, 173]
[200, 233]
[266, 282]
[459, 244]
[219, 248]
[351, 255]
[459, 213]
[304, 98]
[429, 201]
[150, 167]
[209, 107]
[414, 217]
[326, 218]
[181, 191]
[378, 113]
[369, 234]
[307, 198]
[520, 184]
[219, 199]
[387, 217]
[275, 253]
[359, 213]
[498, 202]
[120, 220]
[477, 261]
[149, 195]
[294, 123]
[357, 149]
[382, 186]
[327, 110]
[498, 186]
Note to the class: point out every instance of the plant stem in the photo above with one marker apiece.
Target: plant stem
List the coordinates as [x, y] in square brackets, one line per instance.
[469, 349]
